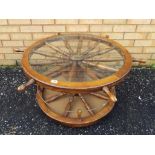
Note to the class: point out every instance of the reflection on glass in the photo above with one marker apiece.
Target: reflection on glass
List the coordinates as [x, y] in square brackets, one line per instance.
[76, 58]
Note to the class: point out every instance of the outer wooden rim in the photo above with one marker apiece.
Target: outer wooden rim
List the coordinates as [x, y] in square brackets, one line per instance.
[78, 86]
[71, 121]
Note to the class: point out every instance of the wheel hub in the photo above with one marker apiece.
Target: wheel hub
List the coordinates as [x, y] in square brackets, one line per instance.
[77, 58]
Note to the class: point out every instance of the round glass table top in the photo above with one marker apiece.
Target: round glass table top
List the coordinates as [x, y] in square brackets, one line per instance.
[76, 58]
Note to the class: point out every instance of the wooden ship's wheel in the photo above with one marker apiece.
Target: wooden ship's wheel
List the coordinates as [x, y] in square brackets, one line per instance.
[76, 76]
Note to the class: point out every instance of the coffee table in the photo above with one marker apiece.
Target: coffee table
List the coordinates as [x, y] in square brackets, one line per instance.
[76, 75]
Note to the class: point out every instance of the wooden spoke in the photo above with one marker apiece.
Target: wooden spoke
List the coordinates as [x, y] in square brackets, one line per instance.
[24, 86]
[89, 72]
[44, 51]
[47, 63]
[101, 66]
[51, 56]
[99, 96]
[54, 97]
[140, 62]
[43, 54]
[103, 60]
[68, 106]
[86, 105]
[51, 71]
[99, 52]
[102, 71]
[59, 72]
[41, 63]
[110, 94]
[79, 73]
[59, 63]
[89, 44]
[90, 49]
[60, 57]
[56, 49]
[67, 45]
[72, 71]
[79, 45]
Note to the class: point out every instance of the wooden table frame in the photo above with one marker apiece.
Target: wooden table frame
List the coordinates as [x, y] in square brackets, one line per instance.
[75, 87]
[106, 85]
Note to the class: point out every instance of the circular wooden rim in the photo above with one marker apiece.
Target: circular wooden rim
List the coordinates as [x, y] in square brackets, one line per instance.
[88, 85]
[74, 122]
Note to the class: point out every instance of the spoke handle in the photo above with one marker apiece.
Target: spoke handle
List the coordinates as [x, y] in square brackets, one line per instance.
[24, 86]
[111, 95]
[139, 60]
[104, 36]
[18, 50]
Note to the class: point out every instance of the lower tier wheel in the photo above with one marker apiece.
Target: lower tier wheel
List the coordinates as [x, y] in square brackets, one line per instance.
[76, 75]
[75, 110]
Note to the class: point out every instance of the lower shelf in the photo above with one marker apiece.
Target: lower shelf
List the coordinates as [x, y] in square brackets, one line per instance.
[75, 110]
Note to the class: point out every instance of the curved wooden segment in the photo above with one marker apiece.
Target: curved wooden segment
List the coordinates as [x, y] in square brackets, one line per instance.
[24, 86]
[110, 94]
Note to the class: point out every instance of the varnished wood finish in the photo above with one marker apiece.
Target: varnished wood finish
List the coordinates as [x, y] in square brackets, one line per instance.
[54, 97]
[75, 87]
[100, 96]
[86, 105]
[20, 50]
[105, 85]
[24, 86]
[74, 122]
[68, 106]
[111, 95]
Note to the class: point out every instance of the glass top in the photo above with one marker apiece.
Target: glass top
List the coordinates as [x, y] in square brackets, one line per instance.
[75, 58]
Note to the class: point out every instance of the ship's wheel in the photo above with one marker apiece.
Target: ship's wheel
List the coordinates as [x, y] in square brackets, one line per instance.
[76, 76]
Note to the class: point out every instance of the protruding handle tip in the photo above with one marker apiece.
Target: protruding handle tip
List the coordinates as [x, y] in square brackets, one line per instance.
[18, 50]
[21, 88]
[111, 95]
[25, 85]
[107, 36]
[79, 113]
